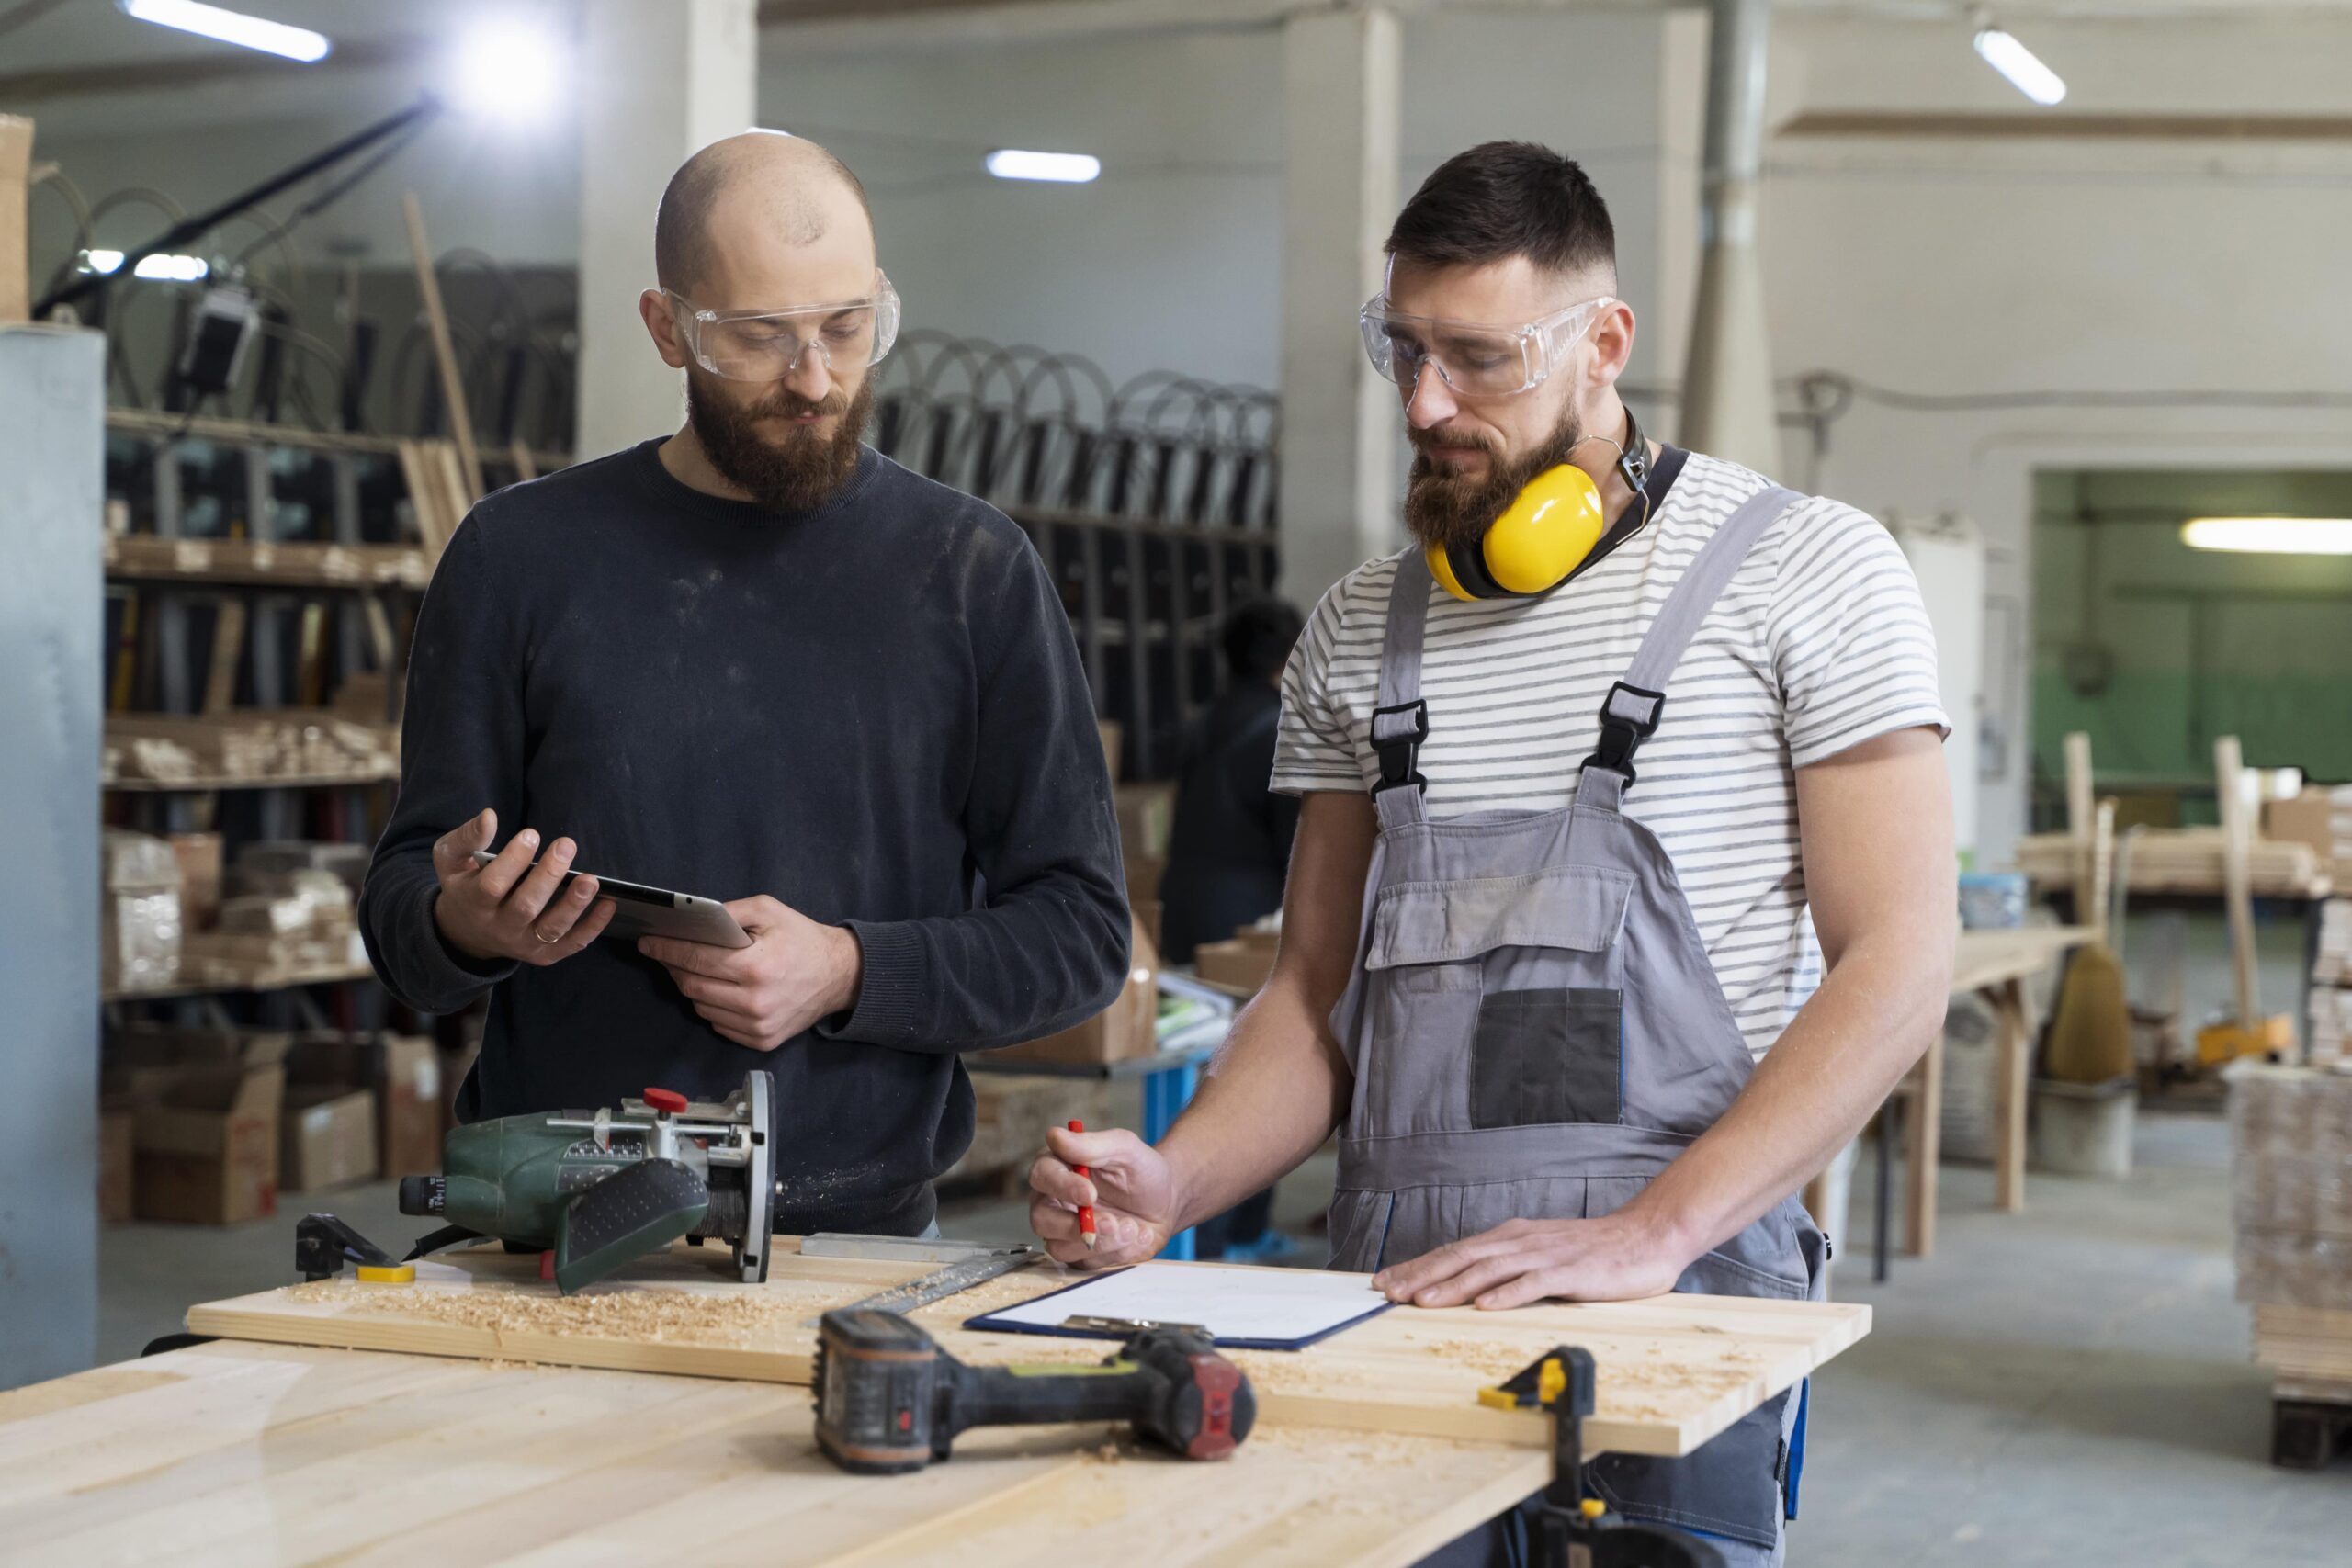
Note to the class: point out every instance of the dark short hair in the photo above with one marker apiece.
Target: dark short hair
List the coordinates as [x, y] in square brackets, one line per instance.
[1258, 636]
[1502, 199]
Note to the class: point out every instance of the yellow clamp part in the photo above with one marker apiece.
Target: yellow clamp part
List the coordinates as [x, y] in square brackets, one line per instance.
[1593, 1507]
[1551, 1381]
[390, 1274]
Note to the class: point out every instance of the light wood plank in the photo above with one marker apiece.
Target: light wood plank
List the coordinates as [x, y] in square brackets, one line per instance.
[1673, 1370]
[246, 1454]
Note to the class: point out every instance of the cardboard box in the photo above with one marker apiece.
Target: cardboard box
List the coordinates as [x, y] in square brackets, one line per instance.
[1145, 812]
[114, 1164]
[328, 1137]
[1112, 737]
[1010, 1113]
[1240, 963]
[198, 855]
[401, 1071]
[2310, 819]
[408, 1099]
[16, 233]
[1128, 1027]
[205, 1129]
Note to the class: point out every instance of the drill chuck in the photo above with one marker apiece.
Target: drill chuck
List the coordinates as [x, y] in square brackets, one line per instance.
[423, 1194]
[888, 1399]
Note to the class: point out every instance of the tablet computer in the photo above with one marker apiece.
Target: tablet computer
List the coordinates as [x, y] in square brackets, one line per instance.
[640, 910]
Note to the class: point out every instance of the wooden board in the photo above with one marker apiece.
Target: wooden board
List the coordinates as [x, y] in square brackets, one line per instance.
[1989, 957]
[1673, 1370]
[2183, 861]
[262, 1454]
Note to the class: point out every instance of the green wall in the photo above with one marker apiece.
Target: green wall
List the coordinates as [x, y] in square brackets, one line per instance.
[2191, 644]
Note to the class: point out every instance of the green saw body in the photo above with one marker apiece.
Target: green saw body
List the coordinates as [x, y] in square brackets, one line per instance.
[601, 1188]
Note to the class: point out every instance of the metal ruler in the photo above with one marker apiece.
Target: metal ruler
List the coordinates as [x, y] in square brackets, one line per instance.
[941, 1283]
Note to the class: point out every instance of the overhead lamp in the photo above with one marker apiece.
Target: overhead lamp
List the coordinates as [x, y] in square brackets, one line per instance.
[2270, 535]
[161, 267]
[232, 27]
[1062, 168]
[508, 70]
[2022, 68]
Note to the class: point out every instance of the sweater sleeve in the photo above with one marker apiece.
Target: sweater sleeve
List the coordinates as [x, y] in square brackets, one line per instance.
[461, 748]
[1047, 948]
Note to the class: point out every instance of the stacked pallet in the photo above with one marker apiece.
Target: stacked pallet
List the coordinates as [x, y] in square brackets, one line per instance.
[2331, 993]
[2183, 859]
[2291, 1202]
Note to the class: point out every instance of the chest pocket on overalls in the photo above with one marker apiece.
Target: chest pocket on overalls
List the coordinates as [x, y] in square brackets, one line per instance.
[1496, 1002]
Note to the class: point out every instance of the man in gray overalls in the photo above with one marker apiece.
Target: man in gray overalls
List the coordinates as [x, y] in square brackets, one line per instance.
[1623, 885]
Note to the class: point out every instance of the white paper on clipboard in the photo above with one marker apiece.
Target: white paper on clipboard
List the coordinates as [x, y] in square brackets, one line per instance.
[1271, 1309]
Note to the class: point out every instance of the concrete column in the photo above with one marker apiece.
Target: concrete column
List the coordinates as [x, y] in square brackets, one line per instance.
[52, 505]
[661, 80]
[1340, 93]
[1728, 407]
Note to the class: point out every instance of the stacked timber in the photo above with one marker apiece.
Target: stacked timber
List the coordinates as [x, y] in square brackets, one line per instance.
[245, 745]
[2183, 859]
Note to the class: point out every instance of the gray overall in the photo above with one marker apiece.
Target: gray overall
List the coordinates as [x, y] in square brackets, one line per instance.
[1536, 1031]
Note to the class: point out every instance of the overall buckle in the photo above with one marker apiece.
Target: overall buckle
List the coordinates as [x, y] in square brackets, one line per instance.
[1629, 716]
[1399, 749]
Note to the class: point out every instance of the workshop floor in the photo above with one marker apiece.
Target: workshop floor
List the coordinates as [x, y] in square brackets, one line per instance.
[2069, 1385]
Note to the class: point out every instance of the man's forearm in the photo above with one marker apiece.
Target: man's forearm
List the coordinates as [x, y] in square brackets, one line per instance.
[1273, 1096]
[1876, 1010]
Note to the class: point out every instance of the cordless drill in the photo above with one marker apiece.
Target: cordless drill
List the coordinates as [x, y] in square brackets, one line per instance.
[889, 1400]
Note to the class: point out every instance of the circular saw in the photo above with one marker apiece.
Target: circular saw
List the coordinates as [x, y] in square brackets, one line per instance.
[598, 1189]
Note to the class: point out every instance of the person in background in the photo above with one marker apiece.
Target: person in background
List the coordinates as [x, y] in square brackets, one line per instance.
[1228, 849]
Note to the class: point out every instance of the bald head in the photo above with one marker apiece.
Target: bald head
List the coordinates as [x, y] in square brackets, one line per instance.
[762, 188]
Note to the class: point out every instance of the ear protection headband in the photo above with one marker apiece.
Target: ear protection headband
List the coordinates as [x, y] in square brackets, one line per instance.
[1548, 533]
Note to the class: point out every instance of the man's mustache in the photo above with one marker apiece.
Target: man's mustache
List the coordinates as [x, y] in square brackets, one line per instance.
[1433, 441]
[791, 407]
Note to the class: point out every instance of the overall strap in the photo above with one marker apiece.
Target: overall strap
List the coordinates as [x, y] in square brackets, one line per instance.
[1401, 721]
[1631, 712]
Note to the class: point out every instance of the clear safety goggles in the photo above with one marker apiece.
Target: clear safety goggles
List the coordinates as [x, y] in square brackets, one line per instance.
[767, 346]
[1478, 359]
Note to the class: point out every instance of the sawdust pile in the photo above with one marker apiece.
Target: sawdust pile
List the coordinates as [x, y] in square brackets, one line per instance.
[659, 1315]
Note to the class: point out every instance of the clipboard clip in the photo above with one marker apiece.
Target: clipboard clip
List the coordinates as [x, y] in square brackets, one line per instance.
[1085, 1324]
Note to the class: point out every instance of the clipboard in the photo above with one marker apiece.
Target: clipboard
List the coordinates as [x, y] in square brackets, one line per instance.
[1240, 1309]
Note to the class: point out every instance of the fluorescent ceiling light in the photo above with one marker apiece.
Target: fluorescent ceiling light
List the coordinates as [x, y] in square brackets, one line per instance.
[2270, 535]
[508, 70]
[161, 267]
[2023, 68]
[232, 27]
[1067, 168]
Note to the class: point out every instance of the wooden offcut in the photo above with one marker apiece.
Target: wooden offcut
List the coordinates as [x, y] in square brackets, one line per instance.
[444, 353]
[1673, 1370]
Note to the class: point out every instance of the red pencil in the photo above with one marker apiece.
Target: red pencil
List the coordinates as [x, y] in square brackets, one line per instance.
[1085, 1211]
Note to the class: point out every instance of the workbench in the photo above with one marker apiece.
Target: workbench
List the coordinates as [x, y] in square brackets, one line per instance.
[1995, 964]
[307, 1437]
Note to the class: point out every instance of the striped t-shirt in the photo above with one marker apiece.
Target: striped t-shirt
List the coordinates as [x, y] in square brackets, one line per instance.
[1818, 643]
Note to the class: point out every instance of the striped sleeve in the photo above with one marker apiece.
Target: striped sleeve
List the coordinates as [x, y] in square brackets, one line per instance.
[1848, 635]
[1314, 748]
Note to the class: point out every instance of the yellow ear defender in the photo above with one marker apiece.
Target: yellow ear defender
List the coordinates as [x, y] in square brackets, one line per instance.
[1546, 534]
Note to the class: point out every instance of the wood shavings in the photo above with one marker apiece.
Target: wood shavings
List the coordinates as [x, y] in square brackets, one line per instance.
[655, 1315]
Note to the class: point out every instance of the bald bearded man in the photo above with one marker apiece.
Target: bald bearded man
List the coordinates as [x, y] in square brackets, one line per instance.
[760, 661]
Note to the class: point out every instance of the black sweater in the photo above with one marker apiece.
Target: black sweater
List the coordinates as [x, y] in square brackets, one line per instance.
[873, 712]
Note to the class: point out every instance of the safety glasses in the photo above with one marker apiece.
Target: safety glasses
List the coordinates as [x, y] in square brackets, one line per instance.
[767, 346]
[1477, 359]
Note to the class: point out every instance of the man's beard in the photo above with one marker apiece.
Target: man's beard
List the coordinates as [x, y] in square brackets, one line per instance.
[1453, 510]
[802, 470]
